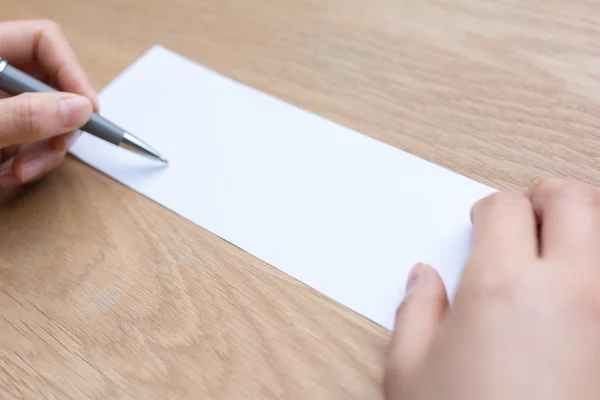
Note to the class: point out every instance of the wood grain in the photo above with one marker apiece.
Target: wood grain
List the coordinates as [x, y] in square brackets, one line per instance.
[104, 294]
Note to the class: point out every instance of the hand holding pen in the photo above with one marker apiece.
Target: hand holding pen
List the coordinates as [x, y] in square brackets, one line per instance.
[38, 124]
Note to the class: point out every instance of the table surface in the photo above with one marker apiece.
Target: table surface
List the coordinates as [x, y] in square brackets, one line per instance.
[505, 92]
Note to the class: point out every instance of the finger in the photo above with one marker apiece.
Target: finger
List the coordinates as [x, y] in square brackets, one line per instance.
[417, 323]
[32, 117]
[504, 235]
[30, 42]
[9, 152]
[32, 163]
[569, 216]
[35, 71]
[7, 176]
[64, 142]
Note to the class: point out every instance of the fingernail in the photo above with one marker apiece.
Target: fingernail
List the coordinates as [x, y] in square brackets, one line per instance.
[418, 274]
[32, 168]
[75, 111]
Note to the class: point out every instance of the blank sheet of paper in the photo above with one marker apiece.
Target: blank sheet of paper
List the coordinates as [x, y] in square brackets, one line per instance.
[335, 209]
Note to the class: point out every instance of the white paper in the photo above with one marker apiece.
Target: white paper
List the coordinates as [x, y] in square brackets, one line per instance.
[335, 209]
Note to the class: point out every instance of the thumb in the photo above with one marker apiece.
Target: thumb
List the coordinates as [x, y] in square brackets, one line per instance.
[32, 117]
[417, 321]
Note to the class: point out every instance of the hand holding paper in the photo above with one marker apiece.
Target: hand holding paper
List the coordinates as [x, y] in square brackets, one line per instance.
[524, 324]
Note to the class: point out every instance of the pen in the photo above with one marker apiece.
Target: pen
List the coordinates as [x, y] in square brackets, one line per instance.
[14, 82]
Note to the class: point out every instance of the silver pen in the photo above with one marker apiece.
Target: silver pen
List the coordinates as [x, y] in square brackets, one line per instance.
[15, 82]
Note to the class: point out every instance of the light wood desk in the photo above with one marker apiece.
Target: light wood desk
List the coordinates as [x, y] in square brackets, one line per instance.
[95, 303]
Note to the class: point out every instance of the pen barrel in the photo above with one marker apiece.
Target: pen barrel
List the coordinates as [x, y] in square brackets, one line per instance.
[15, 82]
[104, 129]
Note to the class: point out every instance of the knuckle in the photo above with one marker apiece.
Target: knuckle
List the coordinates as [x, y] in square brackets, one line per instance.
[571, 189]
[26, 117]
[495, 284]
[49, 25]
[568, 191]
[548, 185]
[499, 202]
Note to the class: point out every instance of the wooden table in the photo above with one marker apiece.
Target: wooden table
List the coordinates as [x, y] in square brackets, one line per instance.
[95, 303]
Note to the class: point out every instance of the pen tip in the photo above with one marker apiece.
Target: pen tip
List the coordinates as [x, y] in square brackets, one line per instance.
[136, 145]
